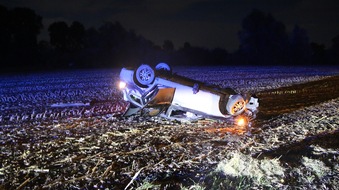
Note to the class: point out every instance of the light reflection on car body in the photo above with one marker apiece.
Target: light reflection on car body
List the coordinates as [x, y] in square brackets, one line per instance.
[158, 92]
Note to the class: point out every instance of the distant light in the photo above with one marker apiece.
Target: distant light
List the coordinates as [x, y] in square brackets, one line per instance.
[122, 85]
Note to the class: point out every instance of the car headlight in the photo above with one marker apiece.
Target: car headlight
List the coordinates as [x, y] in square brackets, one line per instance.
[122, 84]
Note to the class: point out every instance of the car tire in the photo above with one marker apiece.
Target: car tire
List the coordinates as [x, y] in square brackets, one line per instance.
[235, 105]
[144, 75]
[163, 67]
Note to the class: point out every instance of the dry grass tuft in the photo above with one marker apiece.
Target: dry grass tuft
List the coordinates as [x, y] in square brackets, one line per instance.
[263, 172]
[316, 166]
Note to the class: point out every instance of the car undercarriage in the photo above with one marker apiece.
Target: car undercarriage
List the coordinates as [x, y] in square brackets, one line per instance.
[159, 92]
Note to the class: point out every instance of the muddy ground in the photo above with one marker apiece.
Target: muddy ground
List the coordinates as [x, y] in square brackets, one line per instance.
[293, 144]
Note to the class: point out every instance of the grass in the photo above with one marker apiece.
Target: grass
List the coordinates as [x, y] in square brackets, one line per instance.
[316, 166]
[146, 185]
[266, 172]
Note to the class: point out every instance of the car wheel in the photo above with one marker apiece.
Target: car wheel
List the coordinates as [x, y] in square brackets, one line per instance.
[235, 105]
[144, 75]
[163, 67]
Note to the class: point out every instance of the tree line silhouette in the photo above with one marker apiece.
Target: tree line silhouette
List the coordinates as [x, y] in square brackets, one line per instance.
[263, 41]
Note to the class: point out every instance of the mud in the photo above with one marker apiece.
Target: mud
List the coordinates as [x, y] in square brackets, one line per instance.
[287, 99]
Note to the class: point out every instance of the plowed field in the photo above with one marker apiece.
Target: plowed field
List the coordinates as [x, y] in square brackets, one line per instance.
[65, 131]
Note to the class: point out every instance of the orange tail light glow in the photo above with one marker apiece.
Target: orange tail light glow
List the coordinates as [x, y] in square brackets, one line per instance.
[241, 121]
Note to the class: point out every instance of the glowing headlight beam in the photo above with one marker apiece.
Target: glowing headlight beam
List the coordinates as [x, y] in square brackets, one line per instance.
[122, 85]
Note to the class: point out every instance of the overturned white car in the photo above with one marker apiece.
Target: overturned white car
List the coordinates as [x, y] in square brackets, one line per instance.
[158, 92]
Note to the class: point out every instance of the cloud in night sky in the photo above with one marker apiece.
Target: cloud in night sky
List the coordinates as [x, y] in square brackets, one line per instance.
[209, 23]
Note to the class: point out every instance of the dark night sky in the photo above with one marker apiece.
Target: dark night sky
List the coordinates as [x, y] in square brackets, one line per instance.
[208, 23]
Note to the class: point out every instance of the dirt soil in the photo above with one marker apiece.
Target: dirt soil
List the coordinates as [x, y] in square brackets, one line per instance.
[287, 99]
[277, 102]
[296, 124]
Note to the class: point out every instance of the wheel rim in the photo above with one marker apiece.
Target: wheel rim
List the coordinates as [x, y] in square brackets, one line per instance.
[238, 106]
[235, 105]
[145, 74]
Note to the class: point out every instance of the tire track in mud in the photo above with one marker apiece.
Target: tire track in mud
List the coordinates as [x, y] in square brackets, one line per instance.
[276, 102]
[287, 99]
